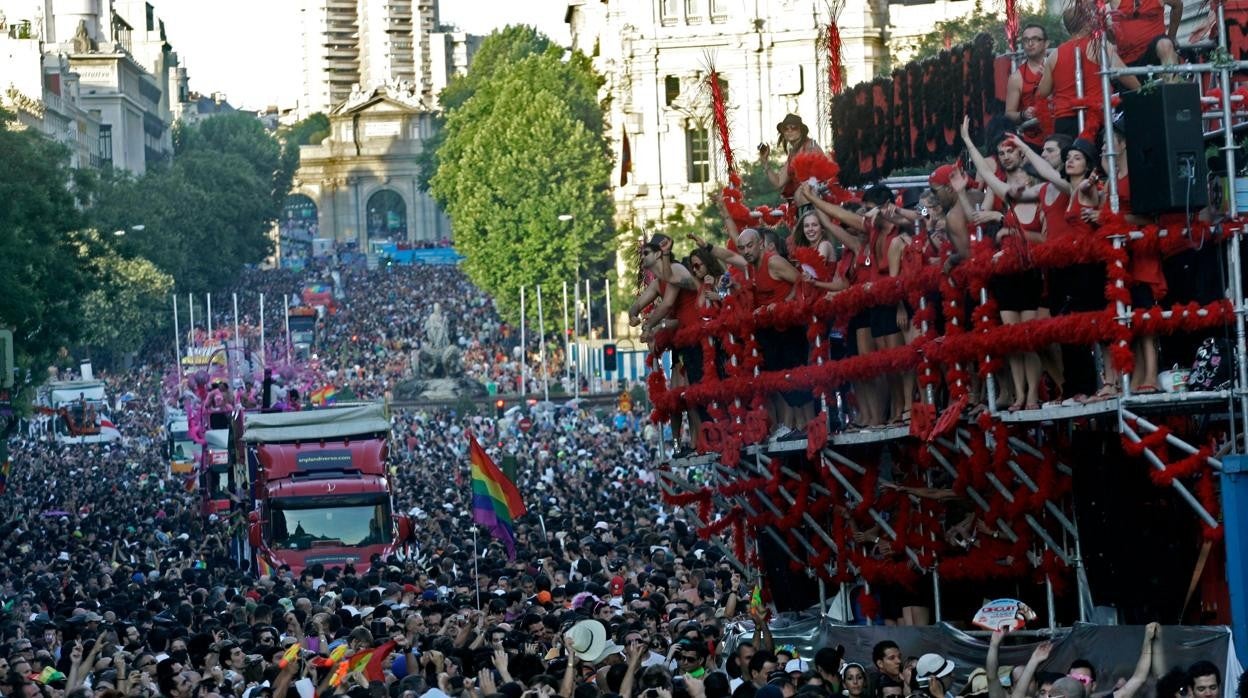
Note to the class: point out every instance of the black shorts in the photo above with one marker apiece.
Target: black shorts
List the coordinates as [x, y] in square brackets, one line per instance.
[1142, 296]
[1018, 292]
[691, 359]
[782, 349]
[1150, 57]
[884, 321]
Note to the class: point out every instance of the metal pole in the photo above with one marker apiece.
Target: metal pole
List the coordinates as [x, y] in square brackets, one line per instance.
[610, 318]
[286, 319]
[524, 348]
[576, 334]
[1111, 169]
[567, 336]
[190, 304]
[590, 355]
[235, 318]
[1232, 209]
[936, 592]
[1079, 88]
[177, 339]
[208, 315]
[263, 349]
[541, 333]
[1048, 598]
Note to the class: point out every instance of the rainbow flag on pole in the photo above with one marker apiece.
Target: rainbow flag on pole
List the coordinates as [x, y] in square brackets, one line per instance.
[496, 502]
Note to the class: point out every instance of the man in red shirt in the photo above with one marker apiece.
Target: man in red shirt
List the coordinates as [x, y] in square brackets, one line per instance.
[1021, 104]
[774, 281]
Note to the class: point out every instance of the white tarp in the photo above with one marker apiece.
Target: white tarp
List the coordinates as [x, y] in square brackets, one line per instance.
[314, 425]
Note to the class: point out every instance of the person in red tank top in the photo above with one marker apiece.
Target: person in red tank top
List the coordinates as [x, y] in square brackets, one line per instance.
[1142, 33]
[1148, 283]
[676, 292]
[1082, 53]
[1017, 294]
[1021, 103]
[775, 281]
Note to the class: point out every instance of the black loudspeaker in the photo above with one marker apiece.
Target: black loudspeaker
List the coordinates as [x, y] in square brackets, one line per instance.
[1166, 148]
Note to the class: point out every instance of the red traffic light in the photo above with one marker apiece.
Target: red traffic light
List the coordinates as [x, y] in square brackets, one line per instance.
[499, 403]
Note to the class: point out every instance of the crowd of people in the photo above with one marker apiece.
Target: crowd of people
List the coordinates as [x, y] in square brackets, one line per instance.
[113, 583]
[1042, 179]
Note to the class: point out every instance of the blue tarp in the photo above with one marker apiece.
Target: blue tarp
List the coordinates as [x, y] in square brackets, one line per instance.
[436, 255]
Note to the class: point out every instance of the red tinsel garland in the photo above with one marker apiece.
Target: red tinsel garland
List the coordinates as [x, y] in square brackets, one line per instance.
[836, 81]
[719, 114]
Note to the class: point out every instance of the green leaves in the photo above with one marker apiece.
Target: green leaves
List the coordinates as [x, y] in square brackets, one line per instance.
[525, 148]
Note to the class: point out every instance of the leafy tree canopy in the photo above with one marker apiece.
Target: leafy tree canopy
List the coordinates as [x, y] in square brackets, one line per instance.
[962, 30]
[524, 150]
[44, 284]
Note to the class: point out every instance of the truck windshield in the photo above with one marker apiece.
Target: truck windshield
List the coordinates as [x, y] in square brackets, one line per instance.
[300, 525]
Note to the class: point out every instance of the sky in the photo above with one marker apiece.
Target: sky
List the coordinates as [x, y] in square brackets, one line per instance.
[251, 49]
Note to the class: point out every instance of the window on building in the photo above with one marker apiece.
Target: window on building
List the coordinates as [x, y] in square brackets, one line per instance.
[671, 88]
[151, 17]
[698, 151]
[106, 145]
[693, 10]
[719, 10]
[669, 10]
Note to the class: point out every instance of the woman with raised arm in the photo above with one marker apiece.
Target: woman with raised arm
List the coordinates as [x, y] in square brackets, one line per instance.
[1017, 294]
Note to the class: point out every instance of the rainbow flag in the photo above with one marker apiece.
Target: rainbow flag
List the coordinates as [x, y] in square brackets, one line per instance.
[496, 502]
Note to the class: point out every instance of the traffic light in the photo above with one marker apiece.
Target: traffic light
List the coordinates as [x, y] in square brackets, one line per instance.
[498, 408]
[609, 361]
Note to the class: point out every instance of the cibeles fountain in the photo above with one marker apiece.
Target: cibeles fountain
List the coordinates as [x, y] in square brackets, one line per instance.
[437, 369]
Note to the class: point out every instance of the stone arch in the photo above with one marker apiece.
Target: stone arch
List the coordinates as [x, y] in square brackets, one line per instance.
[386, 215]
[300, 214]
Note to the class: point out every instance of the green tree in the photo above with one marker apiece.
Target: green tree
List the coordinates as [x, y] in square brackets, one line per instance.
[307, 131]
[129, 304]
[526, 148]
[500, 50]
[44, 284]
[206, 214]
[962, 30]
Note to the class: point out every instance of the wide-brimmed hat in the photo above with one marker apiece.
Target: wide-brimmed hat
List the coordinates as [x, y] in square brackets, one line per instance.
[793, 120]
[588, 641]
[933, 665]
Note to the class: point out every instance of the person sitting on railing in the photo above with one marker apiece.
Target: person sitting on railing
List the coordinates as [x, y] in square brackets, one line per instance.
[1081, 55]
[1019, 223]
[1021, 104]
[675, 291]
[1142, 33]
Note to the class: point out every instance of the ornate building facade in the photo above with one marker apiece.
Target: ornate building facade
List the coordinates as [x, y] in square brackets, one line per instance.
[360, 183]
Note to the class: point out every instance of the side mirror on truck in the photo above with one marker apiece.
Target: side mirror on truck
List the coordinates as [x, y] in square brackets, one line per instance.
[404, 524]
[254, 535]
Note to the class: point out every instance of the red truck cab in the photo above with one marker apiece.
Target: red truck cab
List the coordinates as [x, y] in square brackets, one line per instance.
[322, 491]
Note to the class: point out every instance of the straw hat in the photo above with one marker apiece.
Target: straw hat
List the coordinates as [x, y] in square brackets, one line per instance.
[588, 640]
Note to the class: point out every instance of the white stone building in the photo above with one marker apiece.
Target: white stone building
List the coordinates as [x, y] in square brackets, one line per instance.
[92, 78]
[359, 184]
[655, 54]
[44, 95]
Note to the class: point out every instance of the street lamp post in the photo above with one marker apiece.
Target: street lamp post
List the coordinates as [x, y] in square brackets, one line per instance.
[576, 318]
